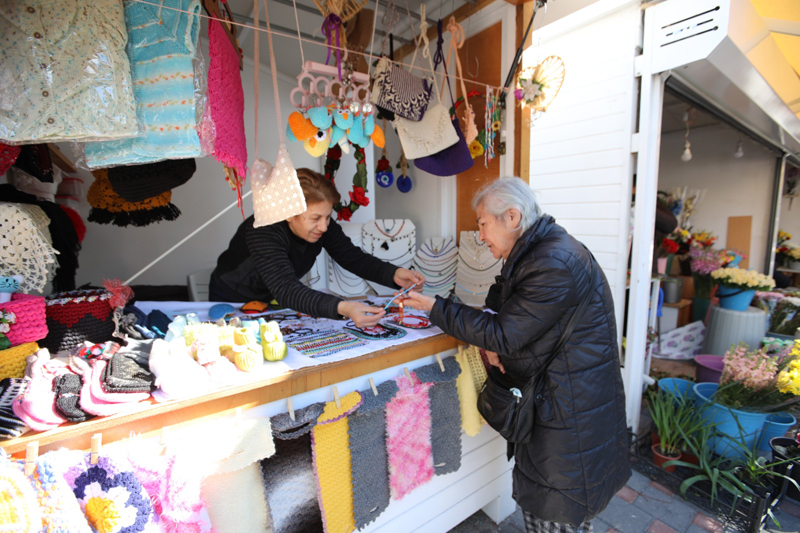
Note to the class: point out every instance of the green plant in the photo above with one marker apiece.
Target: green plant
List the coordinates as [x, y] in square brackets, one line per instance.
[664, 412]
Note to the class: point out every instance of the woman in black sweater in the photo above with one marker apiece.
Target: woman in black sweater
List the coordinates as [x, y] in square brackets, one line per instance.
[267, 263]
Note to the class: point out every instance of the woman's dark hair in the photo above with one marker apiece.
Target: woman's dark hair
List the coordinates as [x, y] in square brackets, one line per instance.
[316, 188]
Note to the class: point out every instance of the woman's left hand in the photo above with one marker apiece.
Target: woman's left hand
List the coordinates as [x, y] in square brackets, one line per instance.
[406, 278]
[417, 300]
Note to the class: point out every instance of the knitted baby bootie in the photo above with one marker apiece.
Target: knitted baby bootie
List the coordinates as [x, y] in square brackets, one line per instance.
[206, 348]
[272, 342]
[247, 358]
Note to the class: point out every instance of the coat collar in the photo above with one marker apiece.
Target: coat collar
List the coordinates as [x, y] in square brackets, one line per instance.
[530, 238]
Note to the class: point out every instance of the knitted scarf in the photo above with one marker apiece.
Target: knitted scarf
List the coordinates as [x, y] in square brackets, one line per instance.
[445, 414]
[471, 421]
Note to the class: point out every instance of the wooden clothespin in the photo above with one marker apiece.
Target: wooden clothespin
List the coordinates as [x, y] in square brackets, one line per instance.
[97, 443]
[408, 374]
[290, 407]
[439, 360]
[373, 387]
[336, 398]
[31, 454]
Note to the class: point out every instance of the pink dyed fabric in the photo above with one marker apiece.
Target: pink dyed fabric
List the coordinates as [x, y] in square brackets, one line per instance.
[408, 442]
[226, 99]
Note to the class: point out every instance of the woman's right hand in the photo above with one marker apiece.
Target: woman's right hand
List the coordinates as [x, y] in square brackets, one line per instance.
[494, 360]
[362, 315]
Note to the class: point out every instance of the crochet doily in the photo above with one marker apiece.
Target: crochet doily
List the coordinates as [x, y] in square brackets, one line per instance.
[25, 246]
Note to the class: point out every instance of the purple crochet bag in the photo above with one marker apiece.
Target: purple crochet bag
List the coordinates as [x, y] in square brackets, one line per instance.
[455, 159]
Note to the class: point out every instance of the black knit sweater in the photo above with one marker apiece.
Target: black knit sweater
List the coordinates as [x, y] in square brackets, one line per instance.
[268, 262]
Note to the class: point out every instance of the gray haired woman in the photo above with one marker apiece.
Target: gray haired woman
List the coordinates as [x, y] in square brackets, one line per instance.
[577, 458]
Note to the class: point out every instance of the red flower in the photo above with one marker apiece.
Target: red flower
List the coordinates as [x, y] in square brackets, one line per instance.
[359, 197]
[669, 246]
[344, 214]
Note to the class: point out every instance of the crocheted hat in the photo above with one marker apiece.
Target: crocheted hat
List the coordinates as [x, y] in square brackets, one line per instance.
[110, 208]
[77, 316]
[135, 183]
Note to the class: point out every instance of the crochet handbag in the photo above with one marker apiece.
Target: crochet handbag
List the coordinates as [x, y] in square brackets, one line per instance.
[135, 183]
[29, 312]
[400, 92]
[511, 411]
[77, 316]
[434, 132]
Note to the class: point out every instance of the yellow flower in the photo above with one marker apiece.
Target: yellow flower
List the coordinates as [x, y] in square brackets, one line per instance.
[789, 378]
[475, 149]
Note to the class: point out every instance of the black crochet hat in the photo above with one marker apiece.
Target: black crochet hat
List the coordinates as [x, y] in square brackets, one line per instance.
[139, 182]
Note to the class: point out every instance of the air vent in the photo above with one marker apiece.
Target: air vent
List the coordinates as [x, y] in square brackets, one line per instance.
[689, 27]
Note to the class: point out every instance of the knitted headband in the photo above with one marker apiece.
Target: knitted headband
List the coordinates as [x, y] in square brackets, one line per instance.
[135, 183]
[108, 207]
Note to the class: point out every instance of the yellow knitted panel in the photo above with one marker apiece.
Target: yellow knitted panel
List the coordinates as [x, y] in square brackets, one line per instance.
[471, 421]
[12, 360]
[472, 356]
[332, 465]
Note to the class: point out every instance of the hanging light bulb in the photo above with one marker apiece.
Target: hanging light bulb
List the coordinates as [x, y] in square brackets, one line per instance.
[687, 151]
[739, 150]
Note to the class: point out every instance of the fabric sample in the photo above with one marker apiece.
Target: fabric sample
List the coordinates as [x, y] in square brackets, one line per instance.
[408, 430]
[288, 476]
[162, 41]
[445, 414]
[64, 74]
[330, 445]
[19, 510]
[60, 510]
[110, 208]
[226, 99]
[370, 464]
[471, 421]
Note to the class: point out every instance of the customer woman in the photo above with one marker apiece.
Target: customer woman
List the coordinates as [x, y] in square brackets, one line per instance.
[267, 263]
[577, 458]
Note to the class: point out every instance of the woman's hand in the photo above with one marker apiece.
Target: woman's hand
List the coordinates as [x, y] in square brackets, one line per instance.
[362, 315]
[419, 301]
[406, 278]
[494, 360]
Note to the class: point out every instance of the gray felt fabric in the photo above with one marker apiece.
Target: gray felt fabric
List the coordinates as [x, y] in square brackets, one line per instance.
[369, 460]
[445, 414]
[284, 428]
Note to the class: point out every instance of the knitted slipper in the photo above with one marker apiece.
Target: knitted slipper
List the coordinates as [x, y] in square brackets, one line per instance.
[370, 465]
[177, 374]
[445, 414]
[68, 394]
[128, 372]
[36, 406]
[99, 392]
[408, 441]
[90, 403]
[10, 424]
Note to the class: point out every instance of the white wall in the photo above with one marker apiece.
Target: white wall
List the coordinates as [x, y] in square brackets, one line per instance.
[734, 187]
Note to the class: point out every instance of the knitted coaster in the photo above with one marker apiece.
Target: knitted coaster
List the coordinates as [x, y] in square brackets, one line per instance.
[60, 509]
[330, 446]
[68, 396]
[445, 414]
[370, 465]
[408, 430]
[471, 421]
[289, 485]
[19, 510]
[128, 372]
[284, 428]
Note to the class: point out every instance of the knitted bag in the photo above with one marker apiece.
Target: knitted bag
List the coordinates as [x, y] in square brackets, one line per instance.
[13, 360]
[445, 414]
[135, 183]
[30, 324]
[110, 208]
[370, 464]
[400, 92]
[77, 316]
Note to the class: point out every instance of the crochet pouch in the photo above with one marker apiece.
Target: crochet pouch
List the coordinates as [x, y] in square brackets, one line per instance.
[400, 92]
[77, 316]
[128, 372]
[29, 323]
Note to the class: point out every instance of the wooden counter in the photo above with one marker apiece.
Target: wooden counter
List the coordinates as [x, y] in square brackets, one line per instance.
[150, 418]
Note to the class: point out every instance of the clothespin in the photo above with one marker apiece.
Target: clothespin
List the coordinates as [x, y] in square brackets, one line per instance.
[439, 360]
[97, 443]
[336, 398]
[31, 454]
[408, 374]
[290, 407]
[373, 387]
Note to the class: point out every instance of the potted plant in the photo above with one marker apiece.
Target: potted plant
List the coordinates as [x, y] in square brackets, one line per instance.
[737, 287]
[664, 411]
[785, 316]
[787, 449]
[704, 261]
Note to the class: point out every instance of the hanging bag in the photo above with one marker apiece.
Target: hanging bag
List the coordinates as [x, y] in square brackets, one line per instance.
[398, 91]
[455, 158]
[277, 194]
[511, 411]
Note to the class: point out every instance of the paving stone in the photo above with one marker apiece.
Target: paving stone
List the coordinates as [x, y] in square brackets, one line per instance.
[657, 526]
[695, 529]
[787, 521]
[612, 530]
[625, 517]
[600, 526]
[516, 519]
[706, 523]
[638, 481]
[508, 527]
[628, 494]
[673, 510]
[790, 508]
[477, 523]
[660, 487]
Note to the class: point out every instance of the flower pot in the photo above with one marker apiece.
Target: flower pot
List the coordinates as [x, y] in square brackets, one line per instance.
[735, 299]
[700, 308]
[726, 419]
[777, 425]
[709, 368]
[661, 265]
[659, 459]
[689, 457]
[779, 455]
[678, 387]
[673, 290]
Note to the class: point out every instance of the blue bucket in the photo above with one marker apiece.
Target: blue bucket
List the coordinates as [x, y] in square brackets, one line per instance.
[777, 425]
[727, 427]
[678, 387]
[735, 299]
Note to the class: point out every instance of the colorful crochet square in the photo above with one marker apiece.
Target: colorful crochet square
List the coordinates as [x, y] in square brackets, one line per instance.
[326, 342]
[19, 510]
[12, 361]
[408, 442]
[30, 324]
[60, 510]
[330, 445]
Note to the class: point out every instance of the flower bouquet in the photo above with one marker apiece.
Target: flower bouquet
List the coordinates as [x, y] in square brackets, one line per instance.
[703, 239]
[737, 286]
[703, 263]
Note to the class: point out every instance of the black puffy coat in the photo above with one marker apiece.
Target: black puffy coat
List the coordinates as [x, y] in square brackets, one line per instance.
[577, 459]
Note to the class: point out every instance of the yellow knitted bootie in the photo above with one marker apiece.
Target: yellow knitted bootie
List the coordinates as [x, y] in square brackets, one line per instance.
[272, 342]
[246, 358]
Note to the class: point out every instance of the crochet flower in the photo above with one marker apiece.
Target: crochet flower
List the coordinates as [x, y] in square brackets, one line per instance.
[529, 89]
[475, 149]
[112, 504]
[358, 196]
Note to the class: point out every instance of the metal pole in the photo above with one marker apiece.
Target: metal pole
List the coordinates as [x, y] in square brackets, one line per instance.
[775, 219]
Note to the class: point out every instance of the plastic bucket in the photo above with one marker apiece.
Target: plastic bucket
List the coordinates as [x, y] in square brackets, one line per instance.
[678, 387]
[735, 299]
[673, 290]
[709, 368]
[777, 425]
[727, 427]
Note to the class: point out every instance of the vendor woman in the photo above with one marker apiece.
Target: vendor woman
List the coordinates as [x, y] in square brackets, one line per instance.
[267, 263]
